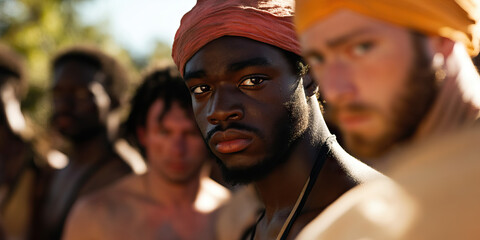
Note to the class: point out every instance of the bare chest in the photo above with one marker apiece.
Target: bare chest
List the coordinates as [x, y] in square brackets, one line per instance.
[148, 221]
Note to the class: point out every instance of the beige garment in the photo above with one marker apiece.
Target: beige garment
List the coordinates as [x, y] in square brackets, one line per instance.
[240, 213]
[434, 194]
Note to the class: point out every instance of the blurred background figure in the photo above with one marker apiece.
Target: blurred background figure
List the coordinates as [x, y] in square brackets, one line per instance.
[388, 80]
[88, 91]
[400, 83]
[173, 200]
[19, 172]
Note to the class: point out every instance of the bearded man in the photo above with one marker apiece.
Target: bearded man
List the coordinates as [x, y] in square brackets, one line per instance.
[257, 110]
[402, 88]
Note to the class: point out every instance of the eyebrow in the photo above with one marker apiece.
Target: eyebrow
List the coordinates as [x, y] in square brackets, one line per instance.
[233, 67]
[258, 61]
[345, 38]
[194, 74]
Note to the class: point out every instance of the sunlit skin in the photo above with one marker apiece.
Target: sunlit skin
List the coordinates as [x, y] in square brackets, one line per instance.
[253, 108]
[171, 201]
[79, 115]
[75, 112]
[173, 145]
[244, 92]
[362, 66]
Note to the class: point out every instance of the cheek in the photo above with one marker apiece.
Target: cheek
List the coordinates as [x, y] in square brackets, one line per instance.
[197, 146]
[383, 78]
[155, 143]
[200, 115]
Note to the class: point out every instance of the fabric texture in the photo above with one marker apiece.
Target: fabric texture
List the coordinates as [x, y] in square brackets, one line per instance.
[267, 21]
[454, 19]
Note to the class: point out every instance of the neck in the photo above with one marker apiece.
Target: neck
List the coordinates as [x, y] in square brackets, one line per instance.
[168, 193]
[92, 150]
[280, 190]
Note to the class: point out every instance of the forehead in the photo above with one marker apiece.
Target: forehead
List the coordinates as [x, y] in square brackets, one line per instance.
[344, 25]
[221, 55]
[74, 72]
[176, 114]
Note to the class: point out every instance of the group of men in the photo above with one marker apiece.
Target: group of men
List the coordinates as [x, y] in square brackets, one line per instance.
[257, 83]
[392, 74]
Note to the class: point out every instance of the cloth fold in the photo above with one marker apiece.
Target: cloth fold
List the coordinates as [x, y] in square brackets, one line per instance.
[454, 19]
[269, 22]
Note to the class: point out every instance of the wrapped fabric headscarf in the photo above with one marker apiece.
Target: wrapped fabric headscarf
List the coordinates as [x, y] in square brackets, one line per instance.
[454, 19]
[267, 21]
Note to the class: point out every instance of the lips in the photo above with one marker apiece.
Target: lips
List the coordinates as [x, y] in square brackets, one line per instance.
[231, 141]
[352, 121]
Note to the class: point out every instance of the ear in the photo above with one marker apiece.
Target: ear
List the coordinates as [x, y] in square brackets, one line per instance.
[310, 86]
[141, 135]
[441, 45]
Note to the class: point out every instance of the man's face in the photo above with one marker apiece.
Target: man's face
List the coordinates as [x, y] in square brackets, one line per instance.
[173, 145]
[375, 78]
[78, 100]
[249, 104]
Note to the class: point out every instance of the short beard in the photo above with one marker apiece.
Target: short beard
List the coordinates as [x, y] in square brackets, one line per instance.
[298, 122]
[409, 109]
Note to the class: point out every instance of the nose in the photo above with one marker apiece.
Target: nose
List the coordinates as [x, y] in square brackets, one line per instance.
[225, 106]
[62, 104]
[178, 147]
[336, 82]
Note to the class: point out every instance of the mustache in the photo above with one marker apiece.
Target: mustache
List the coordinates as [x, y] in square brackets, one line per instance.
[238, 126]
[351, 107]
[332, 110]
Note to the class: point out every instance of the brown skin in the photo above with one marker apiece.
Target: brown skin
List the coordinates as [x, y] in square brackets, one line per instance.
[166, 202]
[266, 94]
[80, 117]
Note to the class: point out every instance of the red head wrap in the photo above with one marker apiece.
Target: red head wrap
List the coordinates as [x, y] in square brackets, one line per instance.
[267, 21]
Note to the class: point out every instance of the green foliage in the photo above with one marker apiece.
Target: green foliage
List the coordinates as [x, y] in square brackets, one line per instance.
[37, 29]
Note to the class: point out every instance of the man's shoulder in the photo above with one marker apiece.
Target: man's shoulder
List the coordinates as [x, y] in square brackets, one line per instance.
[433, 194]
[110, 196]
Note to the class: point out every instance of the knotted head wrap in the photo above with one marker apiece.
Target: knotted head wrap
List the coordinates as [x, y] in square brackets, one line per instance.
[267, 21]
[453, 19]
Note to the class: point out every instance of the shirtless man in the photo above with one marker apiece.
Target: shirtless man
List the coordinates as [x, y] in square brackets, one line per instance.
[258, 111]
[88, 88]
[173, 200]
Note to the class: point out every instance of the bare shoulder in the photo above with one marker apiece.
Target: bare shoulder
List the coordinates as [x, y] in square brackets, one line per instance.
[91, 215]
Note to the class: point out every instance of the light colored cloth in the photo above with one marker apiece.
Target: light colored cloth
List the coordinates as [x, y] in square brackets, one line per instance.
[454, 19]
[433, 194]
[269, 22]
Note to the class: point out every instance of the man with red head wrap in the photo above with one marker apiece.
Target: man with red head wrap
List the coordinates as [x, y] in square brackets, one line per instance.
[257, 109]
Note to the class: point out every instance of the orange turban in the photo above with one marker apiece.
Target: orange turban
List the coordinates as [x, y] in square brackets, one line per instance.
[267, 21]
[454, 19]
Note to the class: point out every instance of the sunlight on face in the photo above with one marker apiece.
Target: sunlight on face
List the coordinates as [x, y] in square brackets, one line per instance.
[363, 68]
[173, 145]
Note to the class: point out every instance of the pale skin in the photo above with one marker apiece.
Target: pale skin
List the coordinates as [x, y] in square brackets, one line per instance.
[358, 60]
[175, 202]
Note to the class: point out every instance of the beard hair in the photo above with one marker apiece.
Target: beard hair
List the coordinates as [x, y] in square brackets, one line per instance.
[408, 110]
[297, 123]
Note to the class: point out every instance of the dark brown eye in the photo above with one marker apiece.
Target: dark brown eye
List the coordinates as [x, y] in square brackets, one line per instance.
[252, 81]
[200, 89]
